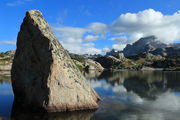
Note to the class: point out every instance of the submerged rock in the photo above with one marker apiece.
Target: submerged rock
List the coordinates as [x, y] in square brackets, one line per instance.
[43, 74]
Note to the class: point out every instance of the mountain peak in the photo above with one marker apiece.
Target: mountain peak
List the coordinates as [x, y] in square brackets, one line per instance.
[144, 44]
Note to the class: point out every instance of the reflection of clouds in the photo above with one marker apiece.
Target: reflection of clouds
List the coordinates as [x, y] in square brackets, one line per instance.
[118, 88]
[119, 103]
[107, 86]
[95, 83]
[116, 91]
[167, 101]
[165, 107]
[132, 97]
[153, 116]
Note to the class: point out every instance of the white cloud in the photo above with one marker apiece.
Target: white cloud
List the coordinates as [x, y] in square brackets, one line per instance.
[17, 2]
[71, 34]
[98, 28]
[128, 28]
[106, 49]
[118, 46]
[8, 42]
[92, 51]
[72, 40]
[88, 45]
[121, 39]
[148, 22]
[91, 38]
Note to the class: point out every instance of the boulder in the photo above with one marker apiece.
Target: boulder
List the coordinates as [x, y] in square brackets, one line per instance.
[93, 65]
[43, 75]
[109, 61]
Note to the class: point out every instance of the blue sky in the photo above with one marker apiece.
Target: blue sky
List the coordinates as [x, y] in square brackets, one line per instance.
[94, 26]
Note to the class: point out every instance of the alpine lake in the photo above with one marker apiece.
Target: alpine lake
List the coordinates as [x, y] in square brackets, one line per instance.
[126, 95]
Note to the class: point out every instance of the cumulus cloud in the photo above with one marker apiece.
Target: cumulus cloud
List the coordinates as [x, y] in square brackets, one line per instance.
[70, 34]
[92, 51]
[106, 49]
[127, 29]
[121, 39]
[91, 38]
[98, 28]
[118, 46]
[73, 40]
[148, 22]
[8, 42]
[17, 2]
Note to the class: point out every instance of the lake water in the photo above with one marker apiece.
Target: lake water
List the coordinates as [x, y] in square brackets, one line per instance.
[126, 95]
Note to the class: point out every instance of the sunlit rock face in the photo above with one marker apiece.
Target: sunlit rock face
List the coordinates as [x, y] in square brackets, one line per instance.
[43, 74]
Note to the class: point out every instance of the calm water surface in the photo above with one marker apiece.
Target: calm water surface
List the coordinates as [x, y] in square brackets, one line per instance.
[126, 95]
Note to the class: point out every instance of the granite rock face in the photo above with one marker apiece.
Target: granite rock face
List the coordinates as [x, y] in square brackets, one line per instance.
[43, 74]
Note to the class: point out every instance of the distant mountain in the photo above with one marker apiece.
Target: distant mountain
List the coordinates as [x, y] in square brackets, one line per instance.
[145, 44]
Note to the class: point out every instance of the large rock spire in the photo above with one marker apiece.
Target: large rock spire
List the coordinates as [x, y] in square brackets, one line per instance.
[43, 74]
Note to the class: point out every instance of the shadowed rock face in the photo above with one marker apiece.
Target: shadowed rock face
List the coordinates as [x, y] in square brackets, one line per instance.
[43, 74]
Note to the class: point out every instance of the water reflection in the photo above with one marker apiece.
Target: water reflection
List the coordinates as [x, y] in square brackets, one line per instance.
[138, 95]
[92, 74]
[6, 96]
[126, 95]
[148, 84]
[5, 78]
[22, 114]
[165, 107]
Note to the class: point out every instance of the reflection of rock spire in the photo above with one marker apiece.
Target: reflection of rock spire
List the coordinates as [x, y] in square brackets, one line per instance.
[23, 114]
